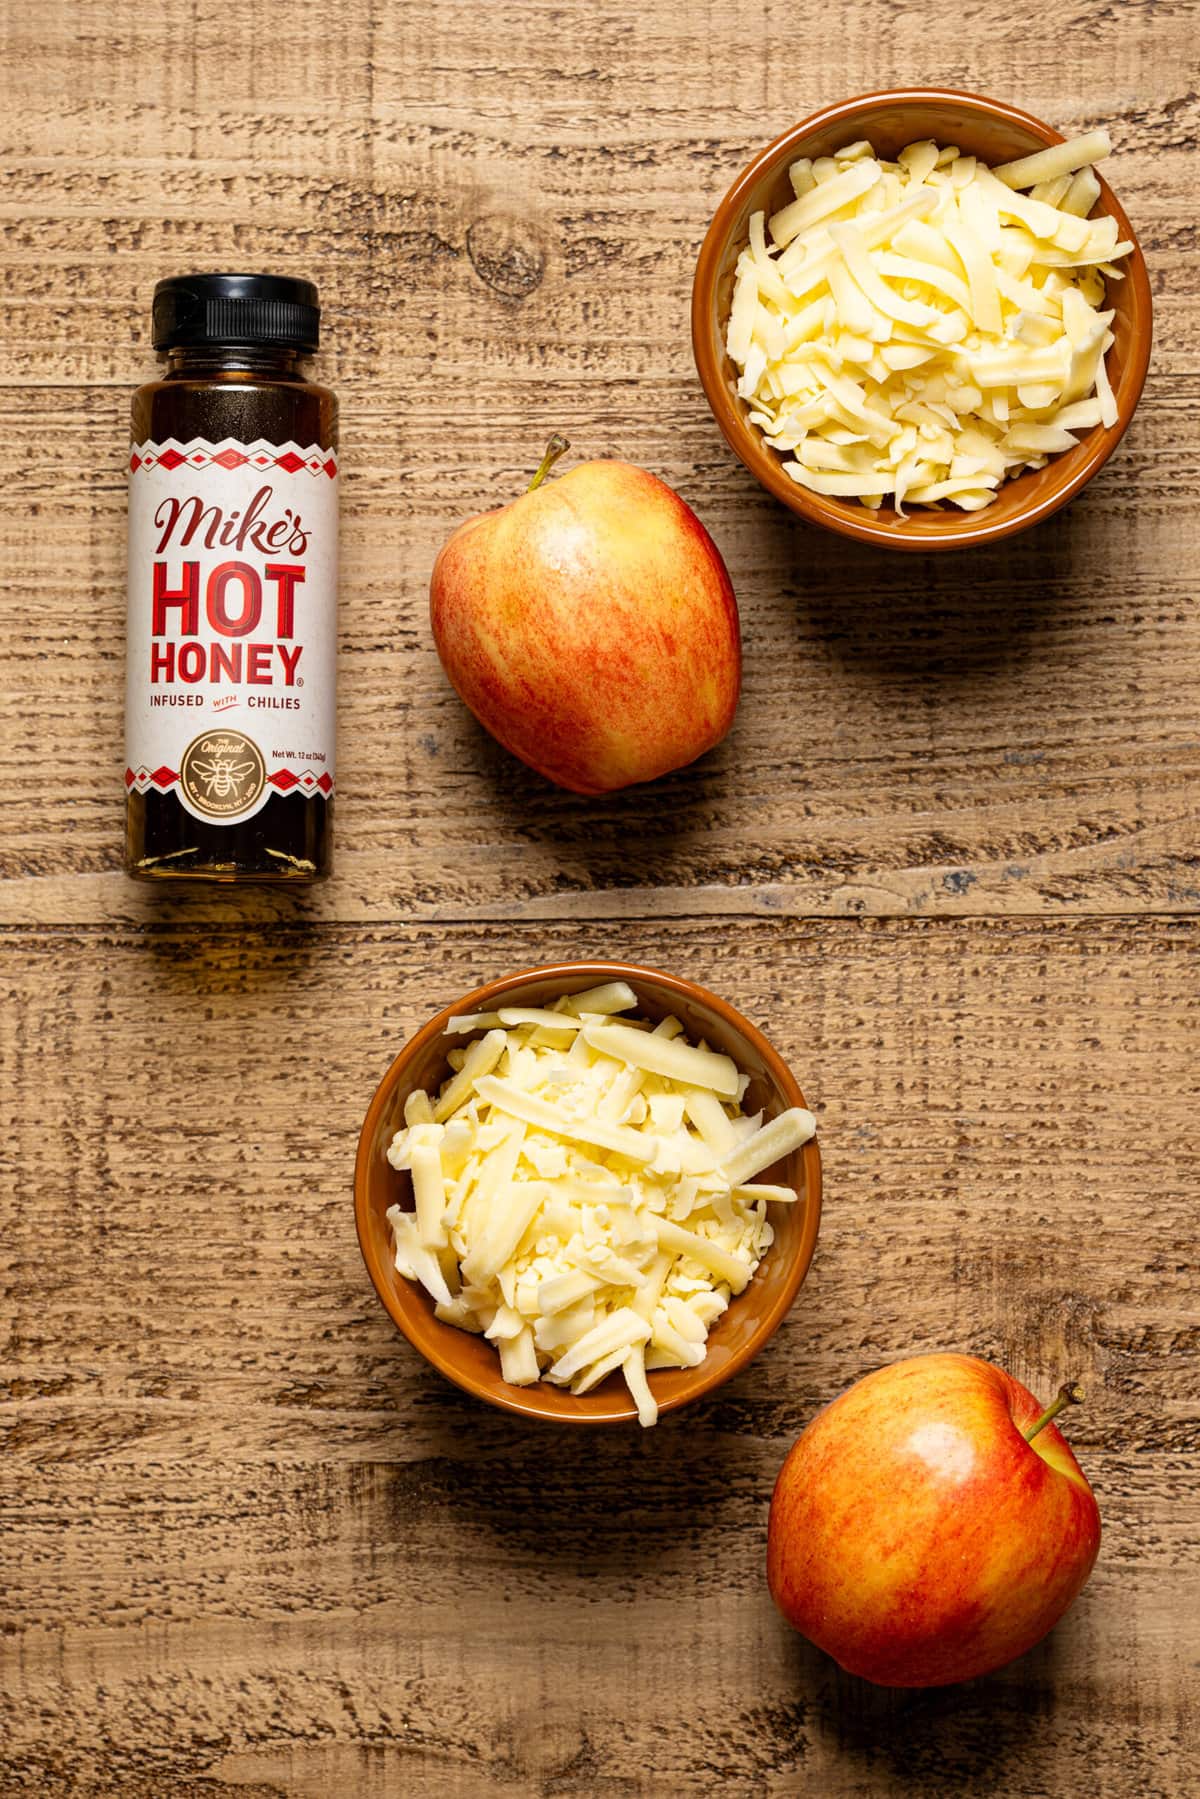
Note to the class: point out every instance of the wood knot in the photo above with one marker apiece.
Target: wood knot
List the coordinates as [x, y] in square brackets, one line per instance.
[547, 1742]
[506, 255]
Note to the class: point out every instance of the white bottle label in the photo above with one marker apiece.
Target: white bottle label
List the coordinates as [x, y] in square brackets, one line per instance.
[232, 639]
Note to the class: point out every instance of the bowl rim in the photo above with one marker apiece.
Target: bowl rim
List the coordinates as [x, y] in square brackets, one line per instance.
[973, 528]
[525, 1400]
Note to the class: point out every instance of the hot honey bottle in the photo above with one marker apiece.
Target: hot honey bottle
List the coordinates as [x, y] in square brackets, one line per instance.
[232, 634]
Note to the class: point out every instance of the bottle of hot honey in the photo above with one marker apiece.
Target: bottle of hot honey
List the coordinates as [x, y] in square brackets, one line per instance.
[232, 639]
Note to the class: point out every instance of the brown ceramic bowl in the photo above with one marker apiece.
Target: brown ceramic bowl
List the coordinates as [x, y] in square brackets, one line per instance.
[984, 128]
[468, 1360]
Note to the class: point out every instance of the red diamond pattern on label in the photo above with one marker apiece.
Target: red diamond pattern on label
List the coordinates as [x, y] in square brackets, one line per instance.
[201, 454]
[283, 779]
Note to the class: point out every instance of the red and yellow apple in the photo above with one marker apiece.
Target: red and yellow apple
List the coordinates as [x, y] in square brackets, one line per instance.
[590, 626]
[931, 1524]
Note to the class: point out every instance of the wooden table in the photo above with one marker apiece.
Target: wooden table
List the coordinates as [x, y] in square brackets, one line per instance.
[948, 858]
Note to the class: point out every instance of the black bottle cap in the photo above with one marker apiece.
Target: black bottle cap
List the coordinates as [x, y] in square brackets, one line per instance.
[236, 309]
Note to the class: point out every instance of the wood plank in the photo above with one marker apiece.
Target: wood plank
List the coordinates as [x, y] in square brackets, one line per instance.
[247, 1536]
[901, 747]
[1017, 734]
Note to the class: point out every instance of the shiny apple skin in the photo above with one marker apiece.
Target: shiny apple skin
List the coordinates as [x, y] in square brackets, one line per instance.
[917, 1537]
[591, 627]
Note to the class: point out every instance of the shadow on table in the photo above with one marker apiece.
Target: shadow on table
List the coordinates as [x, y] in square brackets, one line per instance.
[643, 836]
[209, 945]
[951, 620]
[531, 805]
[944, 1741]
[615, 1504]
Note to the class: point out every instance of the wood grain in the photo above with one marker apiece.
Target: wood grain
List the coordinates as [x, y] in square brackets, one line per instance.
[910, 740]
[948, 858]
[251, 1536]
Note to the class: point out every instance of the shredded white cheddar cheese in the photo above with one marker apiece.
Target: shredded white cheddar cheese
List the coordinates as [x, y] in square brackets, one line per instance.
[583, 1190]
[922, 328]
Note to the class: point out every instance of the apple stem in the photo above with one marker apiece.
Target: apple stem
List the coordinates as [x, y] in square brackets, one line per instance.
[558, 446]
[1070, 1393]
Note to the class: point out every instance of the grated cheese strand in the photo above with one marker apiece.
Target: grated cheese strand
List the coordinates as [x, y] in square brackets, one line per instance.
[665, 1056]
[1058, 159]
[776, 1139]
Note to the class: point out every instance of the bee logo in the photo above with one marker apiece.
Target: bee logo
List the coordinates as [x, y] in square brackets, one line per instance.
[222, 774]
